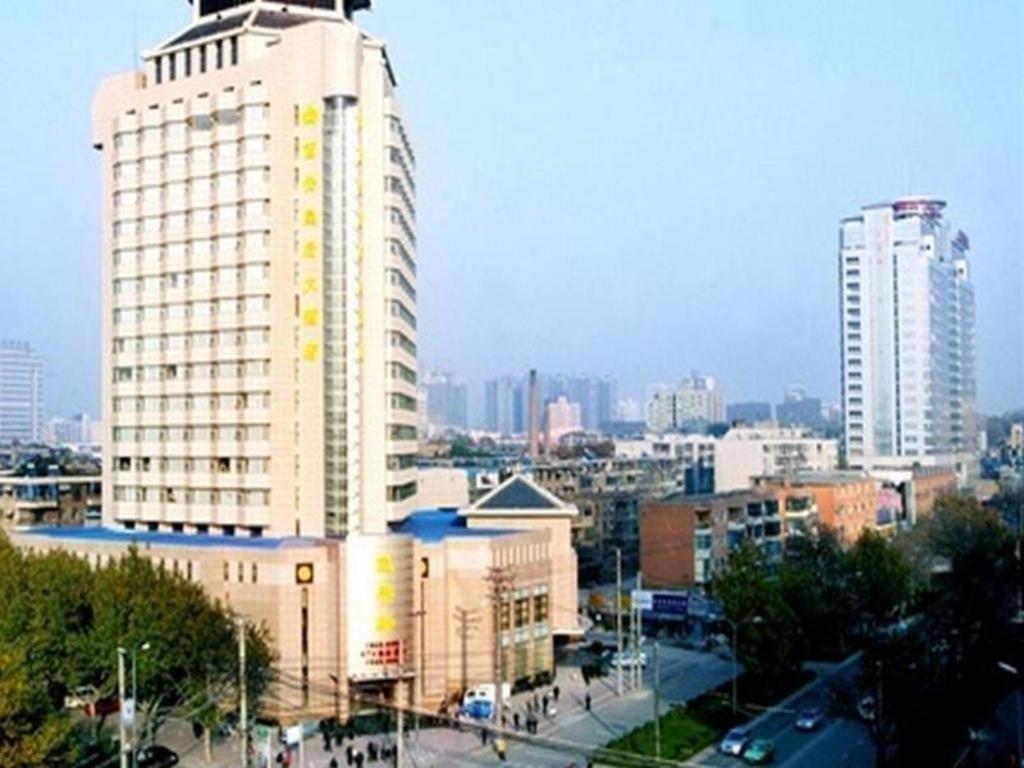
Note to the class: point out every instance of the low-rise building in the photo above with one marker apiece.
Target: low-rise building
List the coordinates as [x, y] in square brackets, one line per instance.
[686, 540]
[847, 502]
[745, 453]
[64, 500]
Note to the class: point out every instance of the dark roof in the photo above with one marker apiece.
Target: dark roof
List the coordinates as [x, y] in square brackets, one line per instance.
[435, 525]
[119, 536]
[265, 19]
[207, 28]
[517, 494]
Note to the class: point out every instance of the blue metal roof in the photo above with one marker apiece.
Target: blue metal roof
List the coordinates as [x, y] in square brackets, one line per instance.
[434, 525]
[119, 536]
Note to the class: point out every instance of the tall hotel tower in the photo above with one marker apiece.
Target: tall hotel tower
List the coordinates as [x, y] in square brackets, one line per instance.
[907, 319]
[259, 273]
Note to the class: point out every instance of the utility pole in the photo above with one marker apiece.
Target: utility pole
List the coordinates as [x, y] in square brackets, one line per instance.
[243, 707]
[122, 731]
[618, 620]
[638, 670]
[467, 620]
[501, 581]
[657, 700]
[400, 736]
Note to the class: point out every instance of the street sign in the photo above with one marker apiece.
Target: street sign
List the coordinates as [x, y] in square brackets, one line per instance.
[128, 713]
[671, 603]
[643, 599]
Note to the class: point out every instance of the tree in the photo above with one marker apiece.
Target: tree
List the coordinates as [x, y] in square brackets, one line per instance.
[752, 599]
[815, 579]
[61, 623]
[882, 577]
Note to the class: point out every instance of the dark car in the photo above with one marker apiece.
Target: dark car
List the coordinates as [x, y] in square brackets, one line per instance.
[810, 720]
[156, 756]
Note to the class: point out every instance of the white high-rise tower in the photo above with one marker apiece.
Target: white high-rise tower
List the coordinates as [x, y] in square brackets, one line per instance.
[259, 271]
[907, 325]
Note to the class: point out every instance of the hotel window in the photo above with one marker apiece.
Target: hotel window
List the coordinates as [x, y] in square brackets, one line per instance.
[254, 573]
[172, 63]
[158, 66]
[202, 58]
[187, 53]
[219, 47]
[234, 51]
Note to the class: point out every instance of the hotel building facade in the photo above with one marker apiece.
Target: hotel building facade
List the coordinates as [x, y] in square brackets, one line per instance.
[259, 364]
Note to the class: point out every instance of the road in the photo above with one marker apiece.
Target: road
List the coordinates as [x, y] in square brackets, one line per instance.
[839, 743]
[568, 737]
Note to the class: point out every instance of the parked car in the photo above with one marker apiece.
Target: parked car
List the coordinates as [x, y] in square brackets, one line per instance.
[735, 742]
[628, 660]
[810, 720]
[759, 752]
[866, 708]
[80, 697]
[155, 756]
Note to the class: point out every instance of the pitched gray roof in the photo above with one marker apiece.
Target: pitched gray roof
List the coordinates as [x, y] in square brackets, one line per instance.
[518, 494]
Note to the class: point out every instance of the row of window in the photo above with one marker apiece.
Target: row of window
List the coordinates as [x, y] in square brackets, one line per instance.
[220, 432]
[251, 181]
[395, 277]
[399, 339]
[397, 249]
[226, 497]
[397, 129]
[403, 402]
[196, 160]
[256, 272]
[398, 218]
[402, 371]
[398, 309]
[252, 211]
[401, 492]
[394, 184]
[183, 341]
[231, 401]
[401, 432]
[176, 371]
[196, 249]
[212, 56]
[242, 465]
[151, 139]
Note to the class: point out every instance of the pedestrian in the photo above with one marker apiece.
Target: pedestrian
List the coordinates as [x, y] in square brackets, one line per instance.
[483, 736]
[501, 748]
[504, 720]
[333, 763]
[544, 703]
[359, 760]
[554, 693]
[586, 701]
[536, 701]
[372, 752]
[350, 755]
[515, 720]
[529, 707]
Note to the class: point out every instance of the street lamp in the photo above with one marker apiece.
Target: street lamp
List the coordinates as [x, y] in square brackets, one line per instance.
[735, 626]
[1010, 669]
[135, 692]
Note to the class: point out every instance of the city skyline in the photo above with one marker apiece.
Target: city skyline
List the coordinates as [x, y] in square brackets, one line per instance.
[946, 77]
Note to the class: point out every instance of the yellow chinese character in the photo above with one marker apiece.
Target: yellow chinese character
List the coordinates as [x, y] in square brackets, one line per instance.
[310, 351]
[309, 184]
[385, 564]
[310, 115]
[386, 624]
[385, 594]
[311, 317]
[309, 150]
[309, 249]
[309, 217]
[310, 285]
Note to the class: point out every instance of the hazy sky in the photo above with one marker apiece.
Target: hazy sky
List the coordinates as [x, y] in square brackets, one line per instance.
[637, 189]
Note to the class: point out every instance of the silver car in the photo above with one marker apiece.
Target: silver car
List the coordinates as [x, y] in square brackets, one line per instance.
[735, 742]
[810, 720]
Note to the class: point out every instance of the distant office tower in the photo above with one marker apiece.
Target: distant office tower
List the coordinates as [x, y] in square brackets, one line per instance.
[447, 401]
[595, 395]
[629, 409]
[74, 430]
[907, 316]
[499, 405]
[696, 401]
[750, 413]
[21, 393]
[259, 256]
[561, 417]
[799, 410]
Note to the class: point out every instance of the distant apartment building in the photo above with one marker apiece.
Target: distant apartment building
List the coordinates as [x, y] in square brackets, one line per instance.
[686, 540]
[608, 494]
[907, 334]
[500, 406]
[447, 401]
[748, 413]
[79, 429]
[696, 401]
[629, 409]
[744, 453]
[21, 393]
[561, 418]
[799, 410]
